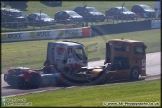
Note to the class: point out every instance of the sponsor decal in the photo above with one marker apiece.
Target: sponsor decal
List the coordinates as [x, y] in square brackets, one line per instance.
[69, 33]
[60, 51]
[11, 36]
[156, 24]
[39, 34]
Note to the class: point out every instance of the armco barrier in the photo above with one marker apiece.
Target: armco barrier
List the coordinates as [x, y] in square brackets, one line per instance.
[41, 35]
[97, 30]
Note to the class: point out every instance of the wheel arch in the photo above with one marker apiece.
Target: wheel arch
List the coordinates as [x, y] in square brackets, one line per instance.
[136, 66]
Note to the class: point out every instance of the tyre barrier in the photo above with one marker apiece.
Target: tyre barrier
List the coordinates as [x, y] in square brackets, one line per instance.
[86, 31]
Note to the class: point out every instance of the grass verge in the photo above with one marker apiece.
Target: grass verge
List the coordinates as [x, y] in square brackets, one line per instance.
[33, 53]
[143, 91]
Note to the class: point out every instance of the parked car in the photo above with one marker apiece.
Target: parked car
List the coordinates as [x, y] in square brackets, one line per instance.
[13, 18]
[141, 9]
[40, 19]
[68, 17]
[93, 13]
[120, 13]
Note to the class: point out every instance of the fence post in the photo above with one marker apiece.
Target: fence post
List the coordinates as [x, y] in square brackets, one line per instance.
[5, 25]
[117, 17]
[113, 19]
[122, 17]
[33, 23]
[40, 19]
[17, 24]
[127, 17]
[136, 18]
[107, 18]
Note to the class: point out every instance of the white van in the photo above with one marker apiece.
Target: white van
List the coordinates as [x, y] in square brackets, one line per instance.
[158, 8]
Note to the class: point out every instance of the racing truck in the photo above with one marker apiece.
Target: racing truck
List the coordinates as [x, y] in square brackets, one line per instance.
[67, 64]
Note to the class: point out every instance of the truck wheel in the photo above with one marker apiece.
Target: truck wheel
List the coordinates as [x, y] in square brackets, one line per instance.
[16, 84]
[134, 73]
[35, 81]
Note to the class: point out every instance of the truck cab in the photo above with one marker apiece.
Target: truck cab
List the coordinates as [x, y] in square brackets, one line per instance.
[126, 59]
[65, 54]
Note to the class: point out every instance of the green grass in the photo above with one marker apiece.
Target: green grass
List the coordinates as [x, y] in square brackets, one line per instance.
[36, 6]
[32, 54]
[143, 91]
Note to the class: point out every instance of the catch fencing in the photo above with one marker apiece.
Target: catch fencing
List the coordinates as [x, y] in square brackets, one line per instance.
[95, 30]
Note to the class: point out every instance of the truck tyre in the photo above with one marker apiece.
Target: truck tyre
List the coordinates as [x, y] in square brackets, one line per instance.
[35, 81]
[16, 84]
[134, 73]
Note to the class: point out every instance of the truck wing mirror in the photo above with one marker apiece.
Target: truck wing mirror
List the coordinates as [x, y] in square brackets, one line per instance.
[144, 46]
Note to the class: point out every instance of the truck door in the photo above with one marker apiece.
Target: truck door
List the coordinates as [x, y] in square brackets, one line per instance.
[139, 57]
[108, 53]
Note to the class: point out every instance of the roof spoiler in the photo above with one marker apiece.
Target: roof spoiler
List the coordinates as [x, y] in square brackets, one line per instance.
[72, 41]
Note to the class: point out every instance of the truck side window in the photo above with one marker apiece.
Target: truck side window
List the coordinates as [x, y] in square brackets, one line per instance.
[79, 53]
[138, 50]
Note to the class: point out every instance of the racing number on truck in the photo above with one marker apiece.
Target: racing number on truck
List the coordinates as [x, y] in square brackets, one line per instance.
[11, 36]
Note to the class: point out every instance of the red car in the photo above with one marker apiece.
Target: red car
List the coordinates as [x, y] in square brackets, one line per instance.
[25, 77]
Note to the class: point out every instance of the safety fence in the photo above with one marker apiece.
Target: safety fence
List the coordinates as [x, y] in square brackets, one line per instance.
[41, 25]
[83, 32]
[45, 34]
[127, 17]
[33, 23]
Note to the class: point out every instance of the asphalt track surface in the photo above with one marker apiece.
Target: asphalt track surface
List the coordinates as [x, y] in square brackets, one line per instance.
[153, 71]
